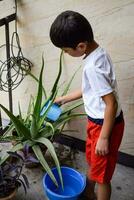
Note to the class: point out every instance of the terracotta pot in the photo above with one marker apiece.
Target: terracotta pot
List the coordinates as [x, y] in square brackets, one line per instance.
[10, 197]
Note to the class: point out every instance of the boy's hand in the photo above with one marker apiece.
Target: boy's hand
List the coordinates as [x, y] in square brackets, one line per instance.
[59, 100]
[102, 147]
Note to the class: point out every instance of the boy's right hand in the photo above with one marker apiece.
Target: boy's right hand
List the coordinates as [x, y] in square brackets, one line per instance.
[59, 100]
[102, 146]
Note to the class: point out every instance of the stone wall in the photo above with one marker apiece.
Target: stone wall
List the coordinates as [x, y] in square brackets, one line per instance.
[112, 22]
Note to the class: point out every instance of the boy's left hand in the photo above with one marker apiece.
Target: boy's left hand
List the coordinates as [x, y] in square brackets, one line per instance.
[102, 147]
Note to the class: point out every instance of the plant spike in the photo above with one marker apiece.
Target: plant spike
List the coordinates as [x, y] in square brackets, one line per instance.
[58, 77]
[50, 148]
[38, 102]
[68, 85]
[21, 129]
[43, 162]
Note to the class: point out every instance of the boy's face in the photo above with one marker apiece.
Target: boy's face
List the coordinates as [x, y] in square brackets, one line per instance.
[77, 52]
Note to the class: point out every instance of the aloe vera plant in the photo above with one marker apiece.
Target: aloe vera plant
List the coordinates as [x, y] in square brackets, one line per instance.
[36, 129]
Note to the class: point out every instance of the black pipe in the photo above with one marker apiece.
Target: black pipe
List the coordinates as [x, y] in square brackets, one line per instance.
[5, 21]
[0, 123]
[8, 64]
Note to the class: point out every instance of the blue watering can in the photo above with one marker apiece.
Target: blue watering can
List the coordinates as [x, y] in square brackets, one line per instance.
[54, 111]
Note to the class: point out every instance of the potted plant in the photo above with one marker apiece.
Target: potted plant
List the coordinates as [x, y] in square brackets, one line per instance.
[36, 129]
[12, 177]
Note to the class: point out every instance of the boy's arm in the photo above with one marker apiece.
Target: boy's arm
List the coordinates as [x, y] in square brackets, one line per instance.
[102, 146]
[70, 97]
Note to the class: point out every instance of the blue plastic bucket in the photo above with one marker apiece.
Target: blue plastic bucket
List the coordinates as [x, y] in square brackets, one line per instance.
[53, 113]
[74, 184]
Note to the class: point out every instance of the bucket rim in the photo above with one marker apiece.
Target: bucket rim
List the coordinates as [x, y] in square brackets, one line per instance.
[63, 196]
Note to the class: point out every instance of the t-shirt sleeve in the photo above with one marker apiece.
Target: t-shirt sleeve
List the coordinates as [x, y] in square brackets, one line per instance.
[99, 76]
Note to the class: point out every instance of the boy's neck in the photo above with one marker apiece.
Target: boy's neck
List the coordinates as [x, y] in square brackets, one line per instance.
[90, 48]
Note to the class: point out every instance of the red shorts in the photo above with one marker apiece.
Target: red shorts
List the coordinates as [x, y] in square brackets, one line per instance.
[102, 167]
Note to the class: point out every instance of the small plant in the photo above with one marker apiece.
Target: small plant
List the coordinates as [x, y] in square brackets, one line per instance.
[29, 157]
[11, 176]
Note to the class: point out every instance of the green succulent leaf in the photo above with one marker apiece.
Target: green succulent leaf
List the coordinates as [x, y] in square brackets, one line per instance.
[48, 124]
[20, 115]
[9, 130]
[69, 84]
[51, 149]
[57, 79]
[33, 127]
[29, 110]
[38, 102]
[20, 127]
[43, 162]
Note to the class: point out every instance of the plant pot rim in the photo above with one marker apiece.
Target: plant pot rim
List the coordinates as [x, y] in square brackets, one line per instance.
[10, 196]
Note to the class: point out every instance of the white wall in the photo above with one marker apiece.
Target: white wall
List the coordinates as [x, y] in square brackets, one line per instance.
[112, 22]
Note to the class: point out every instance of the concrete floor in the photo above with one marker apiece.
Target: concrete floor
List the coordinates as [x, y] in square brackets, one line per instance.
[122, 183]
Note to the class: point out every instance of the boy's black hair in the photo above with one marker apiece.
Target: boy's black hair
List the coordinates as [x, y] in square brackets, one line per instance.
[69, 29]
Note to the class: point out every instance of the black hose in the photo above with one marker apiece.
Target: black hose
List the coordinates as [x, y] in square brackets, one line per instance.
[17, 63]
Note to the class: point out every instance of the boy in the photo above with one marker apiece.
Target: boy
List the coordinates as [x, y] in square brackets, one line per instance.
[73, 34]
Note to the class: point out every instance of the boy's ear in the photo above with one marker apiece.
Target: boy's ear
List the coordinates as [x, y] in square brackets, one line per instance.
[82, 46]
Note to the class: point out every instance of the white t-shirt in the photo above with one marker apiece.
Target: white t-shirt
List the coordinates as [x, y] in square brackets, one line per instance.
[98, 79]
